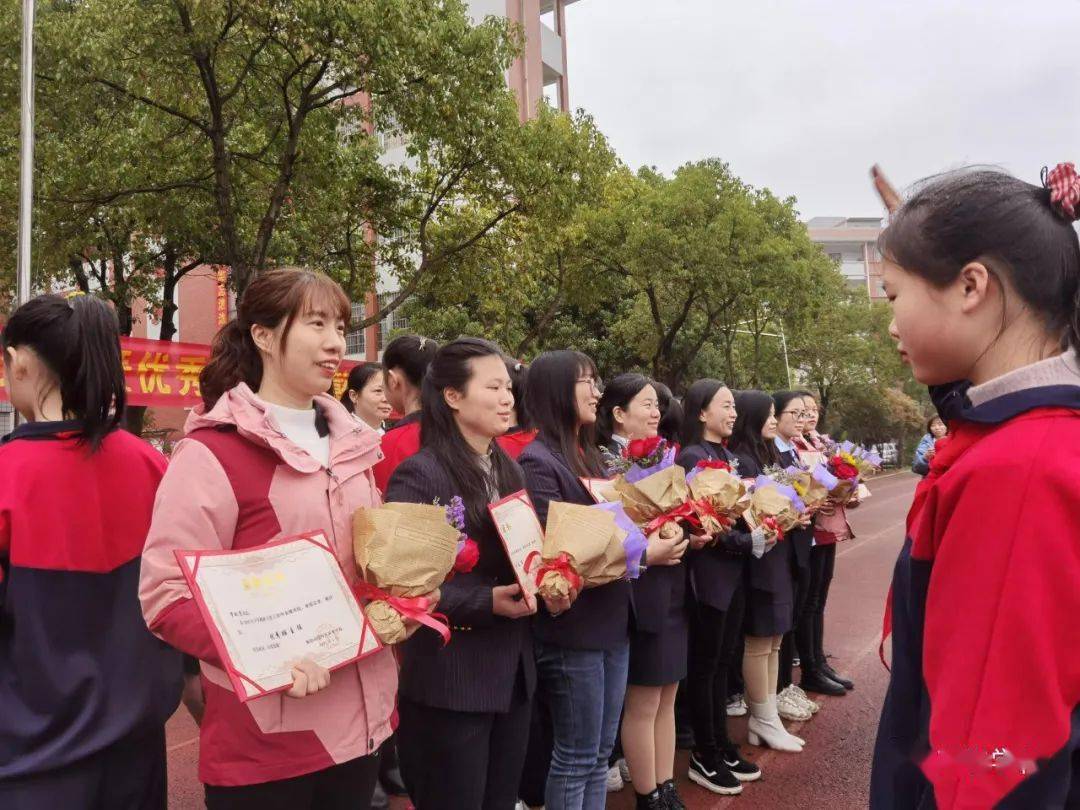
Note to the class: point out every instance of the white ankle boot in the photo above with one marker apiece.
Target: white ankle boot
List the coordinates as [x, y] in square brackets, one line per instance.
[765, 728]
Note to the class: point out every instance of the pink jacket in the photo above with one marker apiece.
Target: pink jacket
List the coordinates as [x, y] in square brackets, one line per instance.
[236, 481]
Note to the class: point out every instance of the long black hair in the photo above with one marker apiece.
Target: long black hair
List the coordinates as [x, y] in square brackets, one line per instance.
[698, 398]
[358, 378]
[988, 215]
[671, 413]
[440, 433]
[618, 393]
[752, 409]
[78, 340]
[552, 393]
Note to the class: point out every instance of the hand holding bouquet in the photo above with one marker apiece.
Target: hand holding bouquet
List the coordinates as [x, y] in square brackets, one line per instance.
[718, 495]
[584, 547]
[404, 552]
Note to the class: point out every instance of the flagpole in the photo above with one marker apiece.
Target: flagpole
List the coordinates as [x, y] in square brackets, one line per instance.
[26, 152]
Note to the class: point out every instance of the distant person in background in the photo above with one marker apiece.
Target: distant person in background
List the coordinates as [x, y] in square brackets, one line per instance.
[406, 361]
[924, 453]
[365, 395]
[521, 431]
[671, 413]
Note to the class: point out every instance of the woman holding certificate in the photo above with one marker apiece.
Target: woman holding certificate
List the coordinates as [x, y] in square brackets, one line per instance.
[465, 707]
[85, 689]
[629, 409]
[270, 456]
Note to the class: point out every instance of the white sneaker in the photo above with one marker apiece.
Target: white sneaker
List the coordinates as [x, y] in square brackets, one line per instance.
[736, 706]
[812, 706]
[624, 771]
[614, 780]
[791, 708]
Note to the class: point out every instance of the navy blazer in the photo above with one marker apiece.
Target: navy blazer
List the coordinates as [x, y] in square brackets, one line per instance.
[717, 571]
[599, 618]
[772, 572]
[479, 669]
[800, 540]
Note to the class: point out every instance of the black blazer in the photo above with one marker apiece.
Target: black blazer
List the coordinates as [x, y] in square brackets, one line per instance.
[717, 571]
[800, 539]
[599, 618]
[772, 572]
[478, 670]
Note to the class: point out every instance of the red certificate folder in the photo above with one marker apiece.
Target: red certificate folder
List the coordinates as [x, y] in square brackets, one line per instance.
[525, 540]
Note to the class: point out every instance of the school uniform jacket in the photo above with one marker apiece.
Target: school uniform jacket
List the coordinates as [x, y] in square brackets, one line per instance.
[799, 540]
[489, 659]
[717, 571]
[599, 618]
[983, 705]
[398, 443]
[79, 671]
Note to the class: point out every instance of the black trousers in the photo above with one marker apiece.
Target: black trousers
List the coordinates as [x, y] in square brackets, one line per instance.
[714, 642]
[462, 760]
[796, 637]
[534, 773]
[822, 565]
[347, 786]
[128, 775]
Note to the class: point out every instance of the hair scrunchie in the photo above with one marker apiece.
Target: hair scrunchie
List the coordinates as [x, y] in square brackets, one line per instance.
[1063, 183]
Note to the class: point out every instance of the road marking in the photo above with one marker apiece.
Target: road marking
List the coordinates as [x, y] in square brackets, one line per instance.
[183, 744]
[859, 542]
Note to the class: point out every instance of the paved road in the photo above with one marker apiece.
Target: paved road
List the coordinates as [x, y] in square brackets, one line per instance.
[833, 771]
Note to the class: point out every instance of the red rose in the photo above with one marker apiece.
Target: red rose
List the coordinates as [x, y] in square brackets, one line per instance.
[713, 464]
[841, 469]
[643, 448]
[467, 557]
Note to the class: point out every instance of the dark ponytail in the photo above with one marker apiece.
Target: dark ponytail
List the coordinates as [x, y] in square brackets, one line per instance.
[439, 431]
[272, 298]
[411, 354]
[79, 341]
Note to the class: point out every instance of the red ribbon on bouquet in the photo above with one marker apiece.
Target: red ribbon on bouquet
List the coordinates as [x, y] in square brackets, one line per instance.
[684, 511]
[713, 464]
[561, 565]
[702, 508]
[771, 523]
[410, 607]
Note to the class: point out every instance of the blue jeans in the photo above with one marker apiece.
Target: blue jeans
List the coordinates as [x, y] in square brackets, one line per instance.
[585, 689]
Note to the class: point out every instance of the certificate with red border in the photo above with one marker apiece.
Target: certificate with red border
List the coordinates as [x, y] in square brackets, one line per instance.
[270, 605]
[521, 534]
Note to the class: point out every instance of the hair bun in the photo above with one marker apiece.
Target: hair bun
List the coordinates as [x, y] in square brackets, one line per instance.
[1063, 183]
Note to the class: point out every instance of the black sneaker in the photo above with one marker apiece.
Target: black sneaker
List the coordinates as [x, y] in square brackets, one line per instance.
[741, 769]
[714, 777]
[671, 797]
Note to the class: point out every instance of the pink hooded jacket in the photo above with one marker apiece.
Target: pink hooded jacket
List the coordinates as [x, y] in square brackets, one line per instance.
[236, 481]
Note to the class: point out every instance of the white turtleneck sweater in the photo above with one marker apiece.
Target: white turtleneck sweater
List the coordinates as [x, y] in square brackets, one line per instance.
[299, 427]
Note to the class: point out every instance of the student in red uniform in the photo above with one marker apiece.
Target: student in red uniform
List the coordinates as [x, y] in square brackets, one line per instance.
[983, 706]
[270, 455]
[85, 689]
[521, 432]
[406, 361]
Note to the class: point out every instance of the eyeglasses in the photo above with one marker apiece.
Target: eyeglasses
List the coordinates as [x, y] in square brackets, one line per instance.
[796, 414]
[592, 382]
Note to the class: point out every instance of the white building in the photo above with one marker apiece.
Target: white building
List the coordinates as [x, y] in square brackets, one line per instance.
[852, 242]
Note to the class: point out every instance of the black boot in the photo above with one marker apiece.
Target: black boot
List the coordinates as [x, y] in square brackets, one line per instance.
[650, 801]
[672, 800]
[819, 652]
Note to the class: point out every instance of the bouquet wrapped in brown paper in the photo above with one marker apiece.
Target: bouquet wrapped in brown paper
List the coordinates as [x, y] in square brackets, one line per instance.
[657, 501]
[774, 505]
[718, 495]
[404, 552]
[584, 547]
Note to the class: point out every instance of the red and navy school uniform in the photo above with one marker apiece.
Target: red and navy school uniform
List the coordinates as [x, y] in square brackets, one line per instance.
[983, 705]
[515, 440]
[85, 688]
[398, 443]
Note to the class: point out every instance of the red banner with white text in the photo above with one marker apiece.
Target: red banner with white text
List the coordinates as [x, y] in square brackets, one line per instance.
[165, 373]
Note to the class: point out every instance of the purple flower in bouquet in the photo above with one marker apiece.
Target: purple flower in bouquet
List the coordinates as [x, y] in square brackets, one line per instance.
[635, 542]
[455, 513]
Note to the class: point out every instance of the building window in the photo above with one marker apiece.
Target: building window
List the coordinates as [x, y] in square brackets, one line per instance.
[396, 321]
[553, 95]
[356, 341]
[7, 418]
[836, 257]
[549, 15]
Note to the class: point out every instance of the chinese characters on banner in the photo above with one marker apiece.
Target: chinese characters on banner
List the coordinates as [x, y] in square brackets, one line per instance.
[165, 373]
[222, 296]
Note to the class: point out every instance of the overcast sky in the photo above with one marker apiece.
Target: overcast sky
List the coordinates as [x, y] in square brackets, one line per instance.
[803, 97]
